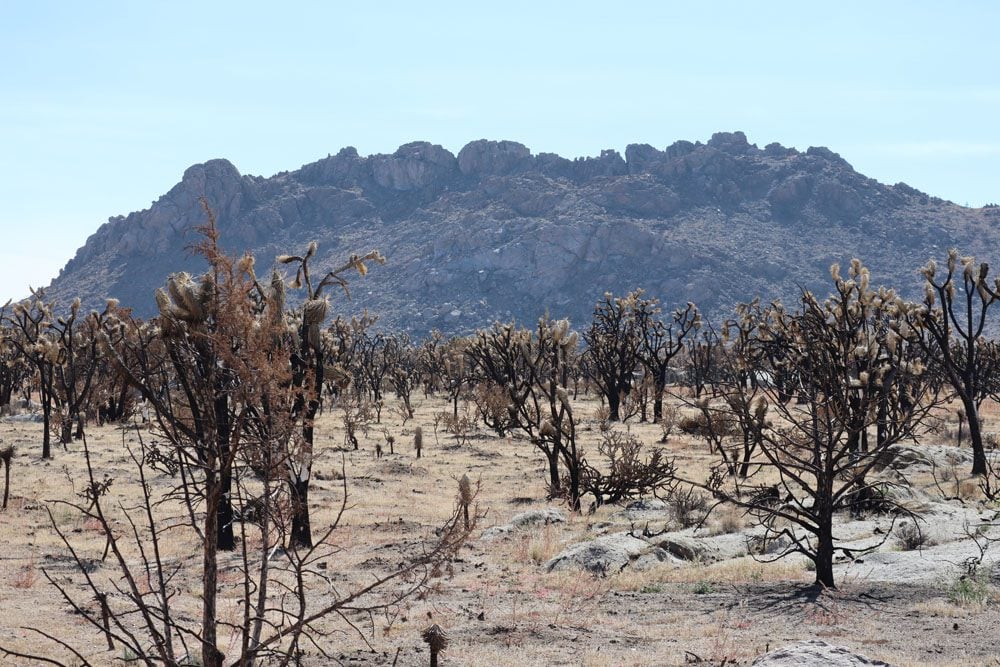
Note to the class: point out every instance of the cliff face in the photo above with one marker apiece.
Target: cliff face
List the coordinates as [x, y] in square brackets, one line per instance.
[496, 232]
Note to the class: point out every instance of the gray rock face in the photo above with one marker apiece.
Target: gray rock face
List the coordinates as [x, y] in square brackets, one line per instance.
[492, 158]
[413, 166]
[814, 653]
[496, 232]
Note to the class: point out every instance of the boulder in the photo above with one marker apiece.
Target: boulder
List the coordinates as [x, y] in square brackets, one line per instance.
[814, 653]
[609, 163]
[538, 517]
[525, 520]
[640, 157]
[413, 166]
[687, 548]
[605, 555]
[730, 142]
[493, 158]
[924, 458]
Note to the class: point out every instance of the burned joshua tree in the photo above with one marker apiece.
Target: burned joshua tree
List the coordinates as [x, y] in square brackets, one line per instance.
[854, 369]
[527, 366]
[308, 371]
[232, 413]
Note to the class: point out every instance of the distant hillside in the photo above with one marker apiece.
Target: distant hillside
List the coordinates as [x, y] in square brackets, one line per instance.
[496, 232]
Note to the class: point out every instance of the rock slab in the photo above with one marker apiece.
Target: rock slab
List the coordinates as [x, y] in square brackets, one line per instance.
[815, 653]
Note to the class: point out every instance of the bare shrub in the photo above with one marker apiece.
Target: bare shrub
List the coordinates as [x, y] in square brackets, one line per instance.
[26, 575]
[404, 411]
[630, 474]
[439, 420]
[729, 520]
[603, 416]
[358, 416]
[668, 422]
[689, 506]
[460, 425]
[710, 425]
[909, 537]
[492, 405]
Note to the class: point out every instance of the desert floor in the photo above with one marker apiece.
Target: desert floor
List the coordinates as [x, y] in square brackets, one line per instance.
[497, 602]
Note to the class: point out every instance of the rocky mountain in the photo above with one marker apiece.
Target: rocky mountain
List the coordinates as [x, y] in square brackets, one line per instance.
[498, 233]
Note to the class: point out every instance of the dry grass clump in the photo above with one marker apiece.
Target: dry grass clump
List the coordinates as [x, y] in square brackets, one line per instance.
[726, 520]
[535, 546]
[909, 537]
[668, 422]
[940, 608]
[26, 575]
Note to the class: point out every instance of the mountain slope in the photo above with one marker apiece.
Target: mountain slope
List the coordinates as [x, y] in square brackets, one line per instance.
[496, 232]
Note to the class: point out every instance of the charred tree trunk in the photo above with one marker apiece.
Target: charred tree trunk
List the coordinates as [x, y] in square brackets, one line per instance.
[80, 419]
[6, 480]
[65, 429]
[659, 388]
[979, 466]
[824, 556]
[614, 403]
[46, 396]
[210, 655]
[225, 539]
[301, 529]
[554, 483]
[301, 534]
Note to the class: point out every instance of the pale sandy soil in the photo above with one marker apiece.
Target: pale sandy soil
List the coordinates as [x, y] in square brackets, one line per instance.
[497, 603]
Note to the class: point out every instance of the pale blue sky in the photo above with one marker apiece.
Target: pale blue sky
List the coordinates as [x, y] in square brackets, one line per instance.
[104, 104]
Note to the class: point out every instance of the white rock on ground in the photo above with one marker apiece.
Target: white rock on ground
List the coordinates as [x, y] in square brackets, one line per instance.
[526, 520]
[937, 565]
[814, 653]
[609, 554]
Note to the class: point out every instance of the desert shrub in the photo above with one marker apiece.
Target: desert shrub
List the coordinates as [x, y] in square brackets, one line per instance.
[603, 416]
[709, 424]
[729, 521]
[460, 425]
[689, 507]
[630, 474]
[909, 537]
[358, 416]
[970, 590]
[492, 404]
[692, 424]
[668, 422]
[703, 588]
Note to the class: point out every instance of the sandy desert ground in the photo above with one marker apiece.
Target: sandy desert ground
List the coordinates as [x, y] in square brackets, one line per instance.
[497, 601]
